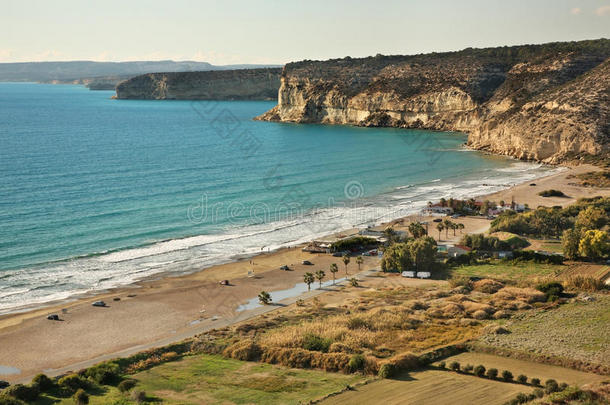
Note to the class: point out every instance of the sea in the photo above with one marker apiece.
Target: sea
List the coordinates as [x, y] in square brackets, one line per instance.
[97, 193]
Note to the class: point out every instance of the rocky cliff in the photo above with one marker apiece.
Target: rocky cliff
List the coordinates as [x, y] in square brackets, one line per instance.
[240, 84]
[541, 102]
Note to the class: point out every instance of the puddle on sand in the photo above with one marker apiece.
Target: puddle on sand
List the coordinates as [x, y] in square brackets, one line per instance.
[4, 370]
[280, 295]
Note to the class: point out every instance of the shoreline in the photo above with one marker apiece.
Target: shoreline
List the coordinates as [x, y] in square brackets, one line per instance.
[168, 307]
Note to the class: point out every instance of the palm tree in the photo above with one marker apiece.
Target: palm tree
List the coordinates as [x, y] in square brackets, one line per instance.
[359, 261]
[308, 279]
[264, 297]
[353, 281]
[454, 226]
[439, 228]
[417, 230]
[334, 269]
[447, 224]
[346, 261]
[320, 276]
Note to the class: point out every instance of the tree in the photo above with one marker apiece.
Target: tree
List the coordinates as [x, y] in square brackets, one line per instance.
[439, 228]
[591, 218]
[570, 241]
[391, 235]
[594, 244]
[264, 297]
[359, 261]
[346, 261]
[308, 278]
[447, 225]
[454, 226]
[353, 282]
[334, 269]
[397, 257]
[320, 276]
[423, 253]
[461, 227]
[81, 397]
[417, 230]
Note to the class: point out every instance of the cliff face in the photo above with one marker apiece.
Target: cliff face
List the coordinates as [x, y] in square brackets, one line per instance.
[241, 84]
[543, 102]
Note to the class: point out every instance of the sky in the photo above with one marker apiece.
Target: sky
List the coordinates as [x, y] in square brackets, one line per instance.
[280, 31]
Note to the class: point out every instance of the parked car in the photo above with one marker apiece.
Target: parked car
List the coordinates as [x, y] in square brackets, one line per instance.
[337, 254]
[53, 317]
[437, 220]
[99, 304]
[285, 267]
[307, 263]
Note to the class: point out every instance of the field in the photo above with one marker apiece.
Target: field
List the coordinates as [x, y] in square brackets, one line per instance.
[215, 380]
[578, 331]
[431, 387]
[527, 368]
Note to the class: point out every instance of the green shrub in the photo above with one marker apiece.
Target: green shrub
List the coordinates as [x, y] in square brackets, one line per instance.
[358, 323]
[138, 396]
[522, 379]
[442, 364]
[81, 397]
[43, 382]
[535, 382]
[551, 193]
[356, 362]
[387, 370]
[563, 386]
[507, 375]
[522, 398]
[104, 373]
[479, 371]
[551, 386]
[455, 366]
[461, 281]
[538, 392]
[127, 385]
[468, 368]
[316, 343]
[22, 392]
[73, 382]
[552, 290]
[492, 373]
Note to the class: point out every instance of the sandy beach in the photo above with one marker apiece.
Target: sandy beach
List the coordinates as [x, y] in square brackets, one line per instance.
[157, 312]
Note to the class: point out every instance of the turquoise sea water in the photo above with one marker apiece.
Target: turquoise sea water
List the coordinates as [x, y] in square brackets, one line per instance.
[96, 192]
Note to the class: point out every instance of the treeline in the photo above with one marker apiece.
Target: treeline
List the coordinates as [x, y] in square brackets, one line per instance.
[581, 226]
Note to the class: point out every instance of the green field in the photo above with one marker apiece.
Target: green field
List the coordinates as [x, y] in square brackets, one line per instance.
[213, 379]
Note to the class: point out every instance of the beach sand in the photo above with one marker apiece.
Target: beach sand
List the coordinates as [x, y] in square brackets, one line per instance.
[156, 312]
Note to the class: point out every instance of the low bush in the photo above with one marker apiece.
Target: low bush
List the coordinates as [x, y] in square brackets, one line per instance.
[507, 375]
[492, 373]
[126, 385]
[356, 363]
[73, 382]
[538, 392]
[552, 289]
[387, 370]
[26, 393]
[442, 364]
[358, 323]
[522, 379]
[479, 371]
[468, 368]
[522, 398]
[455, 366]
[316, 343]
[461, 281]
[551, 193]
[104, 373]
[138, 396]
[43, 382]
[81, 397]
[551, 386]
[245, 350]
[535, 382]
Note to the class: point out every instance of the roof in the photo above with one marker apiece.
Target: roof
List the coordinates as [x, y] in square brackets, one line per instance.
[463, 247]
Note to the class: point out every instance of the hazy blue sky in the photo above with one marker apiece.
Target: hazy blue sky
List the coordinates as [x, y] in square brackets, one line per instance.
[274, 31]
